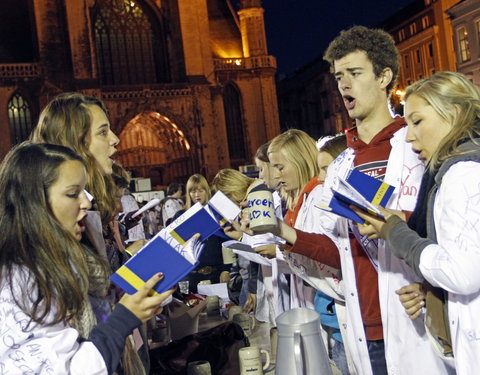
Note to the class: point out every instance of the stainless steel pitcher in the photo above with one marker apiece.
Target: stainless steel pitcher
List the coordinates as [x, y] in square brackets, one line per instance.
[300, 349]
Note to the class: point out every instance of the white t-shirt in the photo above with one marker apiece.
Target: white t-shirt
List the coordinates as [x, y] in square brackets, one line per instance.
[170, 208]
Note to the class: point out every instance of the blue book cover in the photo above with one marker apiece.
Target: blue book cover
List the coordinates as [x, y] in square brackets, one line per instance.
[169, 252]
[156, 256]
[362, 191]
[195, 220]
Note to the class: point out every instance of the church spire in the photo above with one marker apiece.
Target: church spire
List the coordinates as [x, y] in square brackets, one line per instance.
[252, 28]
[246, 4]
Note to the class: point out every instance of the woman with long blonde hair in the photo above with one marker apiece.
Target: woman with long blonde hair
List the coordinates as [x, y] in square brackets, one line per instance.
[293, 156]
[210, 265]
[301, 168]
[441, 240]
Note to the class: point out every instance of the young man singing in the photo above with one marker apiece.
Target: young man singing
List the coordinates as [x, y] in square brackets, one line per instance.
[380, 337]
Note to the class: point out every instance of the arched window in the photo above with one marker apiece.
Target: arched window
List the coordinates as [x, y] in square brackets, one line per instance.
[152, 142]
[20, 118]
[234, 120]
[130, 43]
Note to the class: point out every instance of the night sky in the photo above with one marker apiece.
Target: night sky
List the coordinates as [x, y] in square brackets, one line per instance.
[298, 31]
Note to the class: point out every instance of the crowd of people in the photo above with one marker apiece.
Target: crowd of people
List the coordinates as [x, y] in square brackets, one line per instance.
[396, 295]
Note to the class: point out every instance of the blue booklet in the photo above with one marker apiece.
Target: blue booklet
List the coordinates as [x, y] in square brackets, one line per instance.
[359, 190]
[156, 256]
[195, 220]
[170, 251]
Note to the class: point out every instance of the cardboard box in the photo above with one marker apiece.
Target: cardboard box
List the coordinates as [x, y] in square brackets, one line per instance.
[183, 320]
[140, 184]
[145, 196]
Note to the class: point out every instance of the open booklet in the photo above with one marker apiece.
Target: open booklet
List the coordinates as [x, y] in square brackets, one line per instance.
[173, 251]
[247, 249]
[359, 190]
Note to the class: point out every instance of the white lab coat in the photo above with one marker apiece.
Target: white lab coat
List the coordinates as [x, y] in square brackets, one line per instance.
[266, 307]
[41, 349]
[407, 348]
[304, 268]
[454, 264]
[322, 277]
[272, 287]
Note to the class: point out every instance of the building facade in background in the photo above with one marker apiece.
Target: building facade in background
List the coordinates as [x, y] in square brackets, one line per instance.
[465, 18]
[308, 99]
[423, 35]
[189, 84]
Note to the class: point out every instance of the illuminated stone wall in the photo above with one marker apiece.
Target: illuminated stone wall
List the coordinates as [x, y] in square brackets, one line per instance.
[201, 53]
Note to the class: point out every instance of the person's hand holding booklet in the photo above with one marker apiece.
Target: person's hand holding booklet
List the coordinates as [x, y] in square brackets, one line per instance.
[359, 190]
[374, 224]
[175, 250]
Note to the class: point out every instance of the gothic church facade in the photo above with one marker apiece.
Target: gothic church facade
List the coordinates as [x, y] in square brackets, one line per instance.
[189, 84]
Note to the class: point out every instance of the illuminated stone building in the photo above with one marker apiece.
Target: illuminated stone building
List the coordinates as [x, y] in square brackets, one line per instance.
[308, 99]
[423, 35]
[189, 84]
[465, 18]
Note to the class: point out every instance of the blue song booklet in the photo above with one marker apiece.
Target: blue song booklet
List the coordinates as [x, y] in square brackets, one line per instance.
[157, 256]
[359, 190]
[195, 220]
[171, 251]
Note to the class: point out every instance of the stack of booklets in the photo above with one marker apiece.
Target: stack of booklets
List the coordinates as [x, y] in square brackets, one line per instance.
[359, 190]
[173, 251]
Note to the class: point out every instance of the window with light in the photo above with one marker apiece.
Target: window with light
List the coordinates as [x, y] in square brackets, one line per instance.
[20, 118]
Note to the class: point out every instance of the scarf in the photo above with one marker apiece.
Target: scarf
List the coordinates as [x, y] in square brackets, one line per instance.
[436, 316]
[97, 308]
[98, 286]
[292, 214]
[418, 219]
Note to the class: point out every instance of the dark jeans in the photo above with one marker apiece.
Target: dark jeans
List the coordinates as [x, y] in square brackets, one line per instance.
[376, 350]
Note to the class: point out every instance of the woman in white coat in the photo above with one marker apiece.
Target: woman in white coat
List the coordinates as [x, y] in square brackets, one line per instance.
[47, 324]
[293, 156]
[441, 240]
[274, 281]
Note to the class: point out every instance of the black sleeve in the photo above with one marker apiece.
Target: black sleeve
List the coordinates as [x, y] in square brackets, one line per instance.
[109, 337]
[404, 242]
[253, 276]
[178, 214]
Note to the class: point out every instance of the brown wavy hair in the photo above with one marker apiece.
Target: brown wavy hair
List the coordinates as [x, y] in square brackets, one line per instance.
[34, 246]
[262, 153]
[335, 146]
[66, 121]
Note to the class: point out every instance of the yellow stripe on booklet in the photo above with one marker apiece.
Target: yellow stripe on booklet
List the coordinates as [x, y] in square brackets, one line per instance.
[359, 190]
